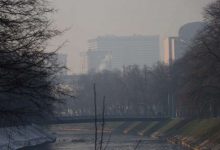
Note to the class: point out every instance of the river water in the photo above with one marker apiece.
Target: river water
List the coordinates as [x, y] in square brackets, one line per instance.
[81, 137]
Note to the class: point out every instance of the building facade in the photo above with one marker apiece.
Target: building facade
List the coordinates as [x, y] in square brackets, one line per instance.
[170, 46]
[114, 52]
[176, 47]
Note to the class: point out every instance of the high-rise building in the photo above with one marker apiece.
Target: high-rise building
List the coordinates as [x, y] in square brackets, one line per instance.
[114, 52]
[176, 47]
[169, 49]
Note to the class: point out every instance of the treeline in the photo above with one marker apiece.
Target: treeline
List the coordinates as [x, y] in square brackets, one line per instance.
[27, 70]
[133, 91]
[190, 87]
[196, 76]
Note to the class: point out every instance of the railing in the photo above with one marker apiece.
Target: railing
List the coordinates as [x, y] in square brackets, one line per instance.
[109, 118]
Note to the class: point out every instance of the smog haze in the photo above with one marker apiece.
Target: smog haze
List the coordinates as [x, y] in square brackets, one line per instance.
[88, 19]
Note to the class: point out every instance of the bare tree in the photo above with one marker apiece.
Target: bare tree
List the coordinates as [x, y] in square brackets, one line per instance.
[95, 117]
[27, 69]
[198, 79]
[103, 123]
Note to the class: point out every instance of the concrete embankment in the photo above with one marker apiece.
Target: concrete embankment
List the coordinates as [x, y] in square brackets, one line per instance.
[14, 138]
[196, 134]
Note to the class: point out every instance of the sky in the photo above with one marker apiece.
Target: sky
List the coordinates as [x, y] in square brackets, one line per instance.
[88, 19]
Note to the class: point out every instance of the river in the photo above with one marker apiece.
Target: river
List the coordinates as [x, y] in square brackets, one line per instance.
[81, 137]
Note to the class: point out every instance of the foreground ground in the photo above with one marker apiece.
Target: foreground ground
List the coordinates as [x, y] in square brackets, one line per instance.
[198, 134]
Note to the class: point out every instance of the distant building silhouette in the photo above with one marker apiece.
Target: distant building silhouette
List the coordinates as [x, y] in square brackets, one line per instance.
[170, 46]
[114, 52]
[62, 61]
[176, 47]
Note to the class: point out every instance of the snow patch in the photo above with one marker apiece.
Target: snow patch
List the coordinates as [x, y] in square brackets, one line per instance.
[14, 138]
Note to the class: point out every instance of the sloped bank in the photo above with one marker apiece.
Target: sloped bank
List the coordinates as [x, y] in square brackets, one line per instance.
[195, 134]
[198, 134]
[14, 138]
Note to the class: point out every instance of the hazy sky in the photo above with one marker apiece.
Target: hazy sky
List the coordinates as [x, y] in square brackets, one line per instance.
[91, 18]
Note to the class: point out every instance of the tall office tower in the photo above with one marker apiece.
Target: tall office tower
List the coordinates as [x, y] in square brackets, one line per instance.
[176, 47]
[114, 52]
[170, 47]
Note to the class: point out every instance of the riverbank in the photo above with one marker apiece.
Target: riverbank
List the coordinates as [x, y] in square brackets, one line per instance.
[81, 136]
[14, 138]
[197, 134]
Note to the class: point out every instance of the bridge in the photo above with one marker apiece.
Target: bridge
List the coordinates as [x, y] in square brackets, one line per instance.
[91, 119]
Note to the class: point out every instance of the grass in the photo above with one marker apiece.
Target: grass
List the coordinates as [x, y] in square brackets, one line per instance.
[169, 125]
[141, 126]
[131, 127]
[148, 128]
